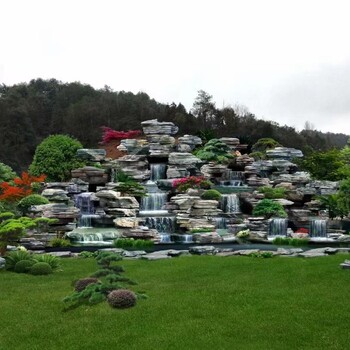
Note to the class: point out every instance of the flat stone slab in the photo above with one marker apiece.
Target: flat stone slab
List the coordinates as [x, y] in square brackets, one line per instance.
[65, 254]
[202, 250]
[155, 256]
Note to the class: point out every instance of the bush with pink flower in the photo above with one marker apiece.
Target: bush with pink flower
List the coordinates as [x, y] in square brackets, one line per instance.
[195, 182]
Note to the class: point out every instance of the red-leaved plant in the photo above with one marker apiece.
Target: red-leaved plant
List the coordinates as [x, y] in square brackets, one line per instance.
[110, 134]
[183, 184]
[21, 187]
[302, 230]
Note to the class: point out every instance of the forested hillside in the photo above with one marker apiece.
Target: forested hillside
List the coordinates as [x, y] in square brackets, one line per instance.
[30, 112]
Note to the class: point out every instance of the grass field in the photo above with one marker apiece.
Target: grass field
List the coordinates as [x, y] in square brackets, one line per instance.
[194, 302]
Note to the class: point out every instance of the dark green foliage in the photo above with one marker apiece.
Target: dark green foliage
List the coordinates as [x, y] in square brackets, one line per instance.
[86, 254]
[290, 241]
[329, 165]
[264, 144]
[121, 298]
[6, 216]
[6, 173]
[128, 186]
[23, 266]
[273, 192]
[33, 199]
[95, 292]
[60, 242]
[269, 208]
[201, 230]
[49, 259]
[214, 150]
[257, 155]
[81, 284]
[40, 268]
[56, 157]
[132, 243]
[211, 194]
[13, 257]
[263, 255]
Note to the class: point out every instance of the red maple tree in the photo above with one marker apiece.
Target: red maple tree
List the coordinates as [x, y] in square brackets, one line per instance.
[21, 187]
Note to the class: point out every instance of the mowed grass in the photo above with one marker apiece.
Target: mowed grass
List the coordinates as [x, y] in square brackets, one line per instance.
[198, 302]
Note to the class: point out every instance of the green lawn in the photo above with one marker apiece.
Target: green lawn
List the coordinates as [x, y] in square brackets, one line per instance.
[194, 303]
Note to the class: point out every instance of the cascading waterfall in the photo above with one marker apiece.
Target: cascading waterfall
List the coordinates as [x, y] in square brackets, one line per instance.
[87, 209]
[163, 224]
[220, 223]
[278, 227]
[229, 203]
[185, 238]
[158, 171]
[153, 201]
[318, 228]
[234, 179]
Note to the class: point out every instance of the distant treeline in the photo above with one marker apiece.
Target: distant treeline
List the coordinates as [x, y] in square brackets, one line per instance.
[30, 112]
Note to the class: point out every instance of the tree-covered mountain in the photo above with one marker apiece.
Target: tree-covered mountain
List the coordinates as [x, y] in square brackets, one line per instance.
[29, 112]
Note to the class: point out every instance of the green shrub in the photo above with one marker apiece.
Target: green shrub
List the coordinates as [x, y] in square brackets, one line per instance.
[290, 241]
[56, 157]
[12, 258]
[121, 298]
[269, 208]
[202, 230]
[49, 259]
[40, 268]
[243, 234]
[23, 266]
[59, 242]
[214, 150]
[257, 155]
[264, 144]
[6, 173]
[211, 194]
[85, 254]
[6, 216]
[81, 284]
[132, 243]
[33, 199]
[273, 193]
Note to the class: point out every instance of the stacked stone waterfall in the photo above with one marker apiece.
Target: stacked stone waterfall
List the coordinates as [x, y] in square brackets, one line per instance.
[155, 161]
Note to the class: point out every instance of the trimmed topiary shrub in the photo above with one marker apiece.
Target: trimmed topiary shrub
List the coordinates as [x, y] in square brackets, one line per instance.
[53, 261]
[60, 242]
[24, 266]
[33, 199]
[81, 284]
[56, 157]
[269, 208]
[12, 258]
[40, 268]
[121, 298]
[211, 194]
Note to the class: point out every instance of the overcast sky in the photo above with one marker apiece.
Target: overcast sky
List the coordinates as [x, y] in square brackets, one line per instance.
[287, 61]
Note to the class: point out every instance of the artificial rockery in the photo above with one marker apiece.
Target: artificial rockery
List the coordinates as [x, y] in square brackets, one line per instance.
[168, 189]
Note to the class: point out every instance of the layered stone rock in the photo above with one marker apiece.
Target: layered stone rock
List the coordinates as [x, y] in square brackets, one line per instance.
[231, 142]
[141, 233]
[91, 175]
[136, 166]
[188, 143]
[133, 146]
[284, 153]
[182, 165]
[91, 155]
[55, 195]
[214, 170]
[163, 128]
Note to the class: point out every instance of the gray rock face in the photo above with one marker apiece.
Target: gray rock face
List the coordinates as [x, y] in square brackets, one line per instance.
[93, 155]
[188, 143]
[141, 233]
[177, 158]
[56, 210]
[214, 170]
[132, 145]
[207, 238]
[284, 153]
[298, 178]
[55, 195]
[202, 250]
[91, 175]
[134, 165]
[2, 263]
[231, 142]
[154, 127]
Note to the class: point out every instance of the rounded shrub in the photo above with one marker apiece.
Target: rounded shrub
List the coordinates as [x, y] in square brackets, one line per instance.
[33, 199]
[41, 268]
[121, 298]
[211, 194]
[56, 157]
[23, 266]
[81, 284]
